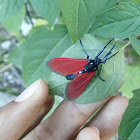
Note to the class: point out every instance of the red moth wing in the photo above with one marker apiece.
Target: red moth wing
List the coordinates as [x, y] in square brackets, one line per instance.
[77, 86]
[65, 66]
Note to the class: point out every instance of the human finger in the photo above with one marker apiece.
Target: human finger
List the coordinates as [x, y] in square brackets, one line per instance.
[45, 109]
[107, 120]
[21, 113]
[65, 120]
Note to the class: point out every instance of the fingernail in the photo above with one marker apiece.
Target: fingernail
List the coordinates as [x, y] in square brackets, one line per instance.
[27, 93]
[97, 130]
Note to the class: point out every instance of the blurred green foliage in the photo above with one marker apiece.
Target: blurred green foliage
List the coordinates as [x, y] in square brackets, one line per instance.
[132, 81]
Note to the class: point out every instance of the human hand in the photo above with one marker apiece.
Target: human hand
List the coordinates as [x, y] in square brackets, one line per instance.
[24, 115]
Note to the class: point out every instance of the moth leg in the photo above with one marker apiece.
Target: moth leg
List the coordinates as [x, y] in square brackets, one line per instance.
[99, 75]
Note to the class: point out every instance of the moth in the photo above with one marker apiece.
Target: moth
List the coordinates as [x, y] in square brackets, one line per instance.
[79, 71]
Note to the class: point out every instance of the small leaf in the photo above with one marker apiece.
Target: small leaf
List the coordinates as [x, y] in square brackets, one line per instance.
[41, 47]
[48, 9]
[40, 22]
[11, 14]
[80, 14]
[129, 128]
[112, 71]
[121, 22]
[136, 44]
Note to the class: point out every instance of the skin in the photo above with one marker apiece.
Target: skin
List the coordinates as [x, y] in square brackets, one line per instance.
[18, 118]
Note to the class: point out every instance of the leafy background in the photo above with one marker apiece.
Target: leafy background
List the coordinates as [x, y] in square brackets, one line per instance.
[55, 27]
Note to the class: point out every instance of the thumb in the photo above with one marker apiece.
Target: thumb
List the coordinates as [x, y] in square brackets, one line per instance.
[18, 115]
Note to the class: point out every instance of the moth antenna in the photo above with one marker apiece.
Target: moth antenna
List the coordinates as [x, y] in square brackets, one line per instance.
[84, 50]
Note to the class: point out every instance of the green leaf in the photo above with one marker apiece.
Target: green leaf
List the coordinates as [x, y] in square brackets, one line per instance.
[112, 71]
[121, 22]
[136, 44]
[41, 47]
[11, 14]
[18, 52]
[80, 14]
[129, 128]
[48, 9]
[132, 79]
